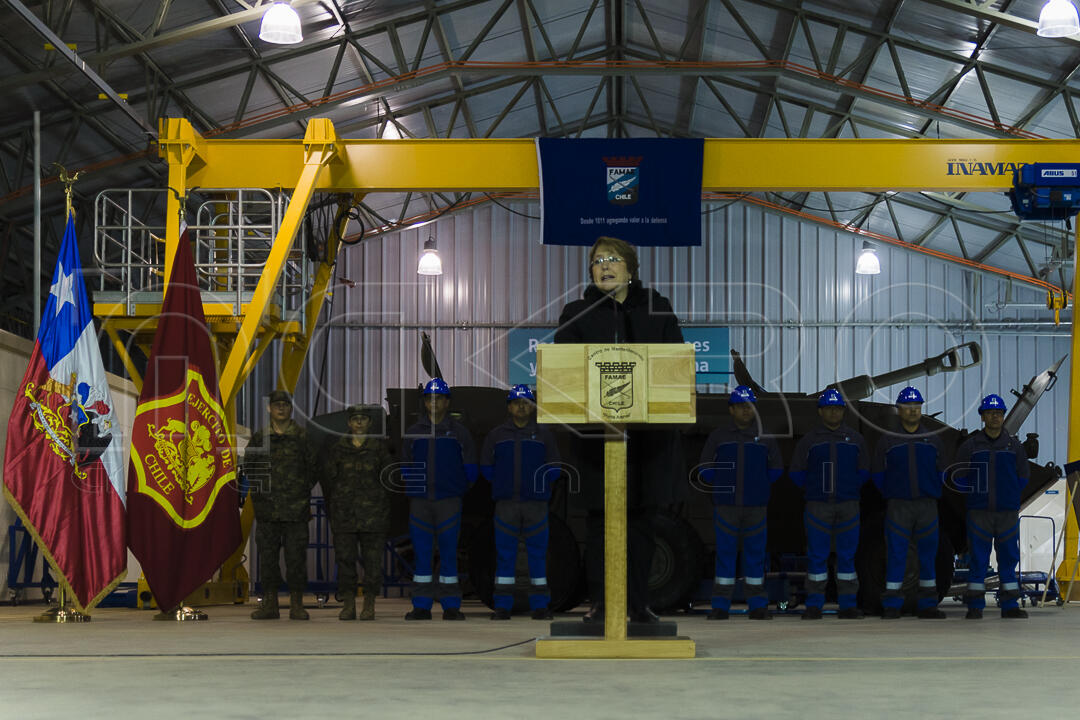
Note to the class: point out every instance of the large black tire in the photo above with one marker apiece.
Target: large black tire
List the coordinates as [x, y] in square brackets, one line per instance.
[871, 559]
[870, 562]
[677, 563]
[564, 567]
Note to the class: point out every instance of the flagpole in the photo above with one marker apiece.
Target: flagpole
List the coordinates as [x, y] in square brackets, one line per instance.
[61, 613]
[37, 221]
[51, 483]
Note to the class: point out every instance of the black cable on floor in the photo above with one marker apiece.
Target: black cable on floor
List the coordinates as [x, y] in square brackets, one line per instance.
[6, 656]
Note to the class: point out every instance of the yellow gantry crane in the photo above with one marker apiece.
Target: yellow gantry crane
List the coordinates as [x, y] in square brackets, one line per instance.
[323, 162]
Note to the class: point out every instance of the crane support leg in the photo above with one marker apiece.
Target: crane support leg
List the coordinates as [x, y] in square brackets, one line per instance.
[1066, 572]
[125, 356]
[179, 145]
[320, 148]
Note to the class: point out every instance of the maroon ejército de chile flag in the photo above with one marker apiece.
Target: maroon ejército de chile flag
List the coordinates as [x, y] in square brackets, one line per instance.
[183, 515]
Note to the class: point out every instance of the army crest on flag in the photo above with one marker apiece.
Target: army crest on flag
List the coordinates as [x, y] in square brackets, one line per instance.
[181, 452]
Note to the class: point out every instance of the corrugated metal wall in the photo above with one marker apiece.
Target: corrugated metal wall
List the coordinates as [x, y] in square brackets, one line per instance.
[785, 287]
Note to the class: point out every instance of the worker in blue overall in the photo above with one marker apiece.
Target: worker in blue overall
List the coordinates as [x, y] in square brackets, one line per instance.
[993, 471]
[441, 460]
[520, 459]
[831, 464]
[739, 464]
[908, 469]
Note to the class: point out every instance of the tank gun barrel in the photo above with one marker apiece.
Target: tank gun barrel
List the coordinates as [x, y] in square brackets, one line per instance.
[1026, 399]
[953, 359]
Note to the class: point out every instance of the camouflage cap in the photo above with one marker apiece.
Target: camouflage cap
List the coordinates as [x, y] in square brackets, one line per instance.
[371, 412]
[279, 396]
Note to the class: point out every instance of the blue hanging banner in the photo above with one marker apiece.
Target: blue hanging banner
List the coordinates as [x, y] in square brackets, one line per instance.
[644, 191]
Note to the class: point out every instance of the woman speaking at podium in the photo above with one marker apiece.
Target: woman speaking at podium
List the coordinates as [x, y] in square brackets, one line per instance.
[616, 308]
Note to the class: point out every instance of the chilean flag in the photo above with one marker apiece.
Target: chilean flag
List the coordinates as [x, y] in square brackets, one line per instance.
[64, 462]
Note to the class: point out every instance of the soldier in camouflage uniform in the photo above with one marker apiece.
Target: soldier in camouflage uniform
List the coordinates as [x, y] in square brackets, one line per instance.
[359, 507]
[278, 463]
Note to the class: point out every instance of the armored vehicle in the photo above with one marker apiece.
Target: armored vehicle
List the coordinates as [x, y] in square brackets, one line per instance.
[683, 561]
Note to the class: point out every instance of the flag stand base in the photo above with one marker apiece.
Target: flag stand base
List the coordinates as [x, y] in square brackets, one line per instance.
[60, 614]
[182, 614]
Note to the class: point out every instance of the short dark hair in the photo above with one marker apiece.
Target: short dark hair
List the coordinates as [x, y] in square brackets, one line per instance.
[625, 250]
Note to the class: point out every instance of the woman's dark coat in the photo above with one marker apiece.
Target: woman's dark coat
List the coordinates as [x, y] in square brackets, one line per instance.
[656, 474]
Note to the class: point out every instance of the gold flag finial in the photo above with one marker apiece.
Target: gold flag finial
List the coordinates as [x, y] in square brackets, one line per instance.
[68, 179]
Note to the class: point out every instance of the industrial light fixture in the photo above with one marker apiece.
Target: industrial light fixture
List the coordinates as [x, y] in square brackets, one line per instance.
[430, 263]
[868, 261]
[1058, 19]
[281, 25]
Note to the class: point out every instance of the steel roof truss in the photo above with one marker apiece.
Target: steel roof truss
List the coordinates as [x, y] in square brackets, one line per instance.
[600, 89]
[930, 231]
[693, 49]
[1061, 90]
[486, 30]
[111, 25]
[988, 96]
[552, 53]
[1027, 255]
[745, 27]
[444, 49]
[581, 31]
[245, 96]
[528, 84]
[727, 106]
[159, 17]
[645, 106]
[649, 28]
[959, 237]
[335, 68]
[895, 221]
[898, 67]
[809, 37]
[993, 246]
[530, 52]
[551, 101]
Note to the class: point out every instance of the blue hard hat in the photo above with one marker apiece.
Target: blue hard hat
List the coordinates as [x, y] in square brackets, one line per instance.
[436, 386]
[909, 395]
[741, 394]
[831, 396]
[520, 392]
[992, 402]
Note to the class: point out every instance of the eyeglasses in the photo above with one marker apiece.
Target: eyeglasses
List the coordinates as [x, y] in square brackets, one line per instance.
[597, 262]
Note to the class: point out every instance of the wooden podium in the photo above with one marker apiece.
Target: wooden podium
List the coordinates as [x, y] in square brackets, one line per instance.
[614, 386]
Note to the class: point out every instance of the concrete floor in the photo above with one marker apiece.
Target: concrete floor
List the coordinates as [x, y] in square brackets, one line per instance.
[123, 664]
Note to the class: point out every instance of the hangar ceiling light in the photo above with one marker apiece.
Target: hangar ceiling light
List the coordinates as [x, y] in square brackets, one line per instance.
[281, 25]
[430, 262]
[1058, 19]
[868, 263]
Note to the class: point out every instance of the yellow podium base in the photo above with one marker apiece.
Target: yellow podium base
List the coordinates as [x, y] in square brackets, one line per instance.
[661, 648]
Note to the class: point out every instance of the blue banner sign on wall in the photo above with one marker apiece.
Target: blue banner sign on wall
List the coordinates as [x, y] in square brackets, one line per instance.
[645, 191]
[711, 351]
[523, 342]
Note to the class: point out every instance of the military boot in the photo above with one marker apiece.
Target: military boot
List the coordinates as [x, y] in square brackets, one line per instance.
[349, 611]
[268, 610]
[368, 613]
[296, 606]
